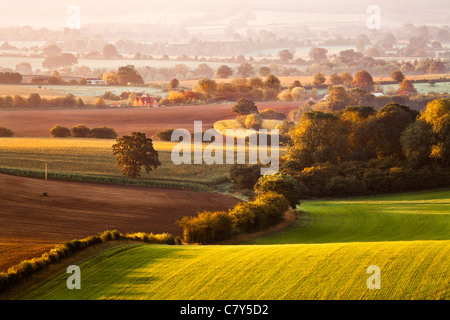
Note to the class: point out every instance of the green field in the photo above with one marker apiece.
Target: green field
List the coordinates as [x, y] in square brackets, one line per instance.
[409, 270]
[326, 257]
[411, 216]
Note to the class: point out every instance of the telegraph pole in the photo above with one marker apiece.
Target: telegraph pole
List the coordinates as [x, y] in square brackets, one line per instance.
[45, 193]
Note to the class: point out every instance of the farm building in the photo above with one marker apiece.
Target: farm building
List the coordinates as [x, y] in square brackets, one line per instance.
[39, 80]
[145, 100]
[94, 81]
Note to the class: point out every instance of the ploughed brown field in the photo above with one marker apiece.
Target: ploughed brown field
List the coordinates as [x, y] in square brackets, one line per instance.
[37, 123]
[31, 224]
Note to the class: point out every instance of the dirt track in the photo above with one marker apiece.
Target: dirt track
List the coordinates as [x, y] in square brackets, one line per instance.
[37, 123]
[30, 223]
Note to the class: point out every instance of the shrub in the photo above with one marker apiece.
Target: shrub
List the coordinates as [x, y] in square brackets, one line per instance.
[60, 132]
[245, 107]
[80, 131]
[285, 95]
[276, 205]
[282, 184]
[110, 235]
[103, 133]
[207, 227]
[244, 176]
[253, 121]
[176, 97]
[108, 95]
[272, 114]
[27, 267]
[164, 135]
[100, 102]
[249, 216]
[5, 132]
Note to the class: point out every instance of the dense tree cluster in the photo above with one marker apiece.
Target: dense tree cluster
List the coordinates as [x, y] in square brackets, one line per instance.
[10, 77]
[34, 100]
[81, 131]
[361, 150]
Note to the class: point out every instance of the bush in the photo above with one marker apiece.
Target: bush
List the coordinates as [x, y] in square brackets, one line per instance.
[245, 107]
[103, 133]
[250, 216]
[283, 184]
[164, 135]
[80, 131]
[176, 97]
[253, 121]
[272, 115]
[100, 102]
[207, 227]
[5, 132]
[108, 95]
[276, 205]
[60, 132]
[110, 235]
[27, 267]
[244, 176]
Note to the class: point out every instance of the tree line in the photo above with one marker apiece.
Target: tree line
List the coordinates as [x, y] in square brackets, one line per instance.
[360, 150]
[34, 100]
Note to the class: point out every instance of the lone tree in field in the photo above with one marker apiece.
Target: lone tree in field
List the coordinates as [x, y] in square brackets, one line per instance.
[363, 80]
[398, 76]
[245, 107]
[133, 152]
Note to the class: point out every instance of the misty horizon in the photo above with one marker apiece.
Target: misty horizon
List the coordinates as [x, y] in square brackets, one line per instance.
[54, 15]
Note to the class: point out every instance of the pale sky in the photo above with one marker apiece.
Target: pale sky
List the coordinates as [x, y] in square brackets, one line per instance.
[53, 13]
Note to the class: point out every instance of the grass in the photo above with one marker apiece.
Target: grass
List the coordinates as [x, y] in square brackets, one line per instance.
[324, 258]
[409, 270]
[409, 216]
[92, 157]
[91, 160]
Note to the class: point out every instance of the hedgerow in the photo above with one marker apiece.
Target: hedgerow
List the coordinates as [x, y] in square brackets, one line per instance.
[26, 268]
[212, 227]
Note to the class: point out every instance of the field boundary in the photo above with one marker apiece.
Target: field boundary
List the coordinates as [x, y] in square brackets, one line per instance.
[111, 180]
[20, 272]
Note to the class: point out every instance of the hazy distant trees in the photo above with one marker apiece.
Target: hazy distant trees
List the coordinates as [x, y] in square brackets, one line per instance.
[124, 76]
[335, 79]
[208, 86]
[246, 70]
[224, 72]
[319, 79]
[56, 61]
[272, 82]
[24, 68]
[55, 78]
[406, 86]
[398, 76]
[318, 55]
[173, 84]
[245, 107]
[363, 80]
[285, 55]
[51, 50]
[264, 71]
[10, 77]
[110, 51]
